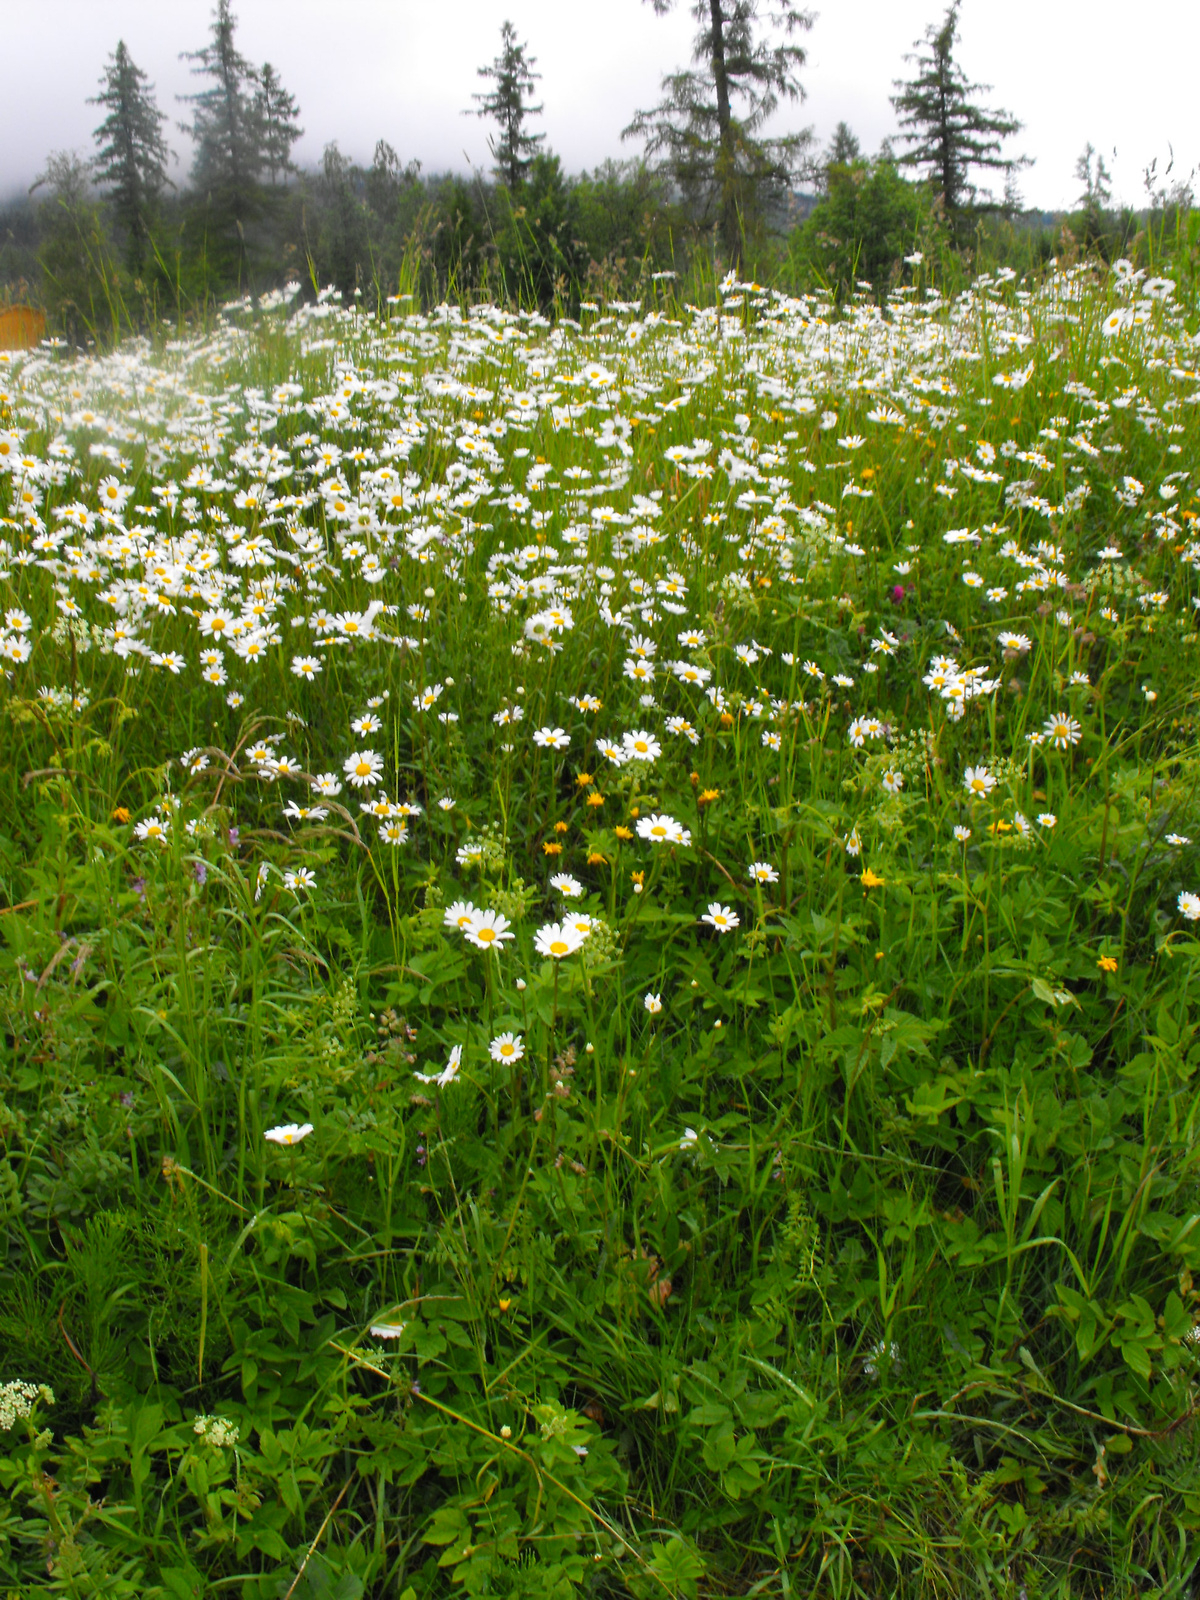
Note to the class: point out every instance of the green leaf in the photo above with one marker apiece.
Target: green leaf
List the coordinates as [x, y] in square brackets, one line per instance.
[1137, 1358]
[678, 1566]
[447, 1525]
[185, 1583]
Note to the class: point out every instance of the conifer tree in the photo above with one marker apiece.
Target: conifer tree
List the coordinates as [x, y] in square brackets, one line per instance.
[131, 158]
[279, 127]
[844, 148]
[708, 126]
[225, 126]
[513, 78]
[386, 180]
[950, 133]
[72, 253]
[842, 152]
[1092, 172]
[1095, 225]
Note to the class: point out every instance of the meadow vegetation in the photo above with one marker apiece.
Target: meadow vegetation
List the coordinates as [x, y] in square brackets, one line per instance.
[107, 245]
[597, 956]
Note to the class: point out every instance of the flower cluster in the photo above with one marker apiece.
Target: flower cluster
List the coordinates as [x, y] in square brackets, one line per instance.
[17, 1400]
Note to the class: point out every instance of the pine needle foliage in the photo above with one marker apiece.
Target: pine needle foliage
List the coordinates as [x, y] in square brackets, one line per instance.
[948, 132]
[513, 79]
[131, 158]
[709, 126]
[227, 127]
[279, 127]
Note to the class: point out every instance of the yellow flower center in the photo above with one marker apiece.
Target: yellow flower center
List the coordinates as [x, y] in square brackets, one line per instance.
[485, 934]
[559, 947]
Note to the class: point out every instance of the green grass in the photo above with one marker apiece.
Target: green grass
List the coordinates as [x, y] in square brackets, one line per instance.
[845, 1252]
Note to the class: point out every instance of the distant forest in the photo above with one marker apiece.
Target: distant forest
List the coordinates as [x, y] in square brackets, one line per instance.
[104, 242]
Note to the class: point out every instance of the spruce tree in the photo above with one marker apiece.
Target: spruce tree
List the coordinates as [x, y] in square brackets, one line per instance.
[225, 125]
[131, 158]
[842, 152]
[708, 126]
[513, 77]
[844, 148]
[950, 133]
[278, 123]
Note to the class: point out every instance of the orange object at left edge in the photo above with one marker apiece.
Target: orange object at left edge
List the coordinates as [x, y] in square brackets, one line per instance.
[21, 327]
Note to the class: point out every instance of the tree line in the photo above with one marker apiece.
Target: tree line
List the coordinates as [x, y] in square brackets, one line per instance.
[714, 187]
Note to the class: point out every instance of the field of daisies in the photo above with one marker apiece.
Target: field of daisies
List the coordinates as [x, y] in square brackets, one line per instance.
[598, 950]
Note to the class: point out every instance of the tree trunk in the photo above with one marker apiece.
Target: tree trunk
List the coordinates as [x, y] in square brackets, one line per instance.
[726, 173]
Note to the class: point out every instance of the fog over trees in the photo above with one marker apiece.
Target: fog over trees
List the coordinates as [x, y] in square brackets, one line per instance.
[720, 175]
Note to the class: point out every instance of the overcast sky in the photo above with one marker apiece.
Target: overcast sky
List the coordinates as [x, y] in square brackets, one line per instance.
[403, 70]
